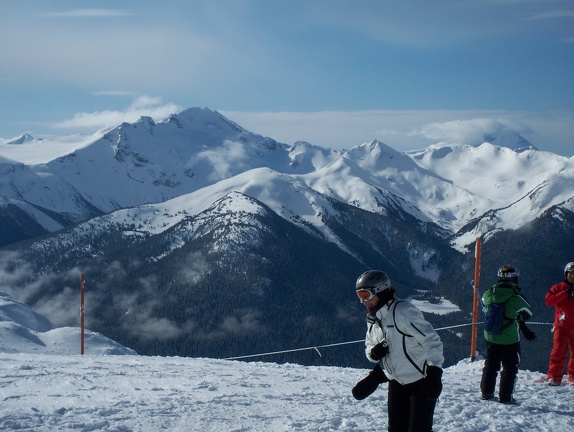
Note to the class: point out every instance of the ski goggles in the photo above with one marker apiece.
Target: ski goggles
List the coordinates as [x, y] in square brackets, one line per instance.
[366, 294]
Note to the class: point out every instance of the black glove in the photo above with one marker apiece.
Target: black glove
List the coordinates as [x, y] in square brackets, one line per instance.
[380, 350]
[570, 292]
[369, 384]
[528, 334]
[434, 382]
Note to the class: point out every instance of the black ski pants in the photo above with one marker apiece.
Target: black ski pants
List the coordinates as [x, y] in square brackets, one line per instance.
[496, 355]
[410, 409]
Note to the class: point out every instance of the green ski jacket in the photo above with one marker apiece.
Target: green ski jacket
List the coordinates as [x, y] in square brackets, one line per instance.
[517, 309]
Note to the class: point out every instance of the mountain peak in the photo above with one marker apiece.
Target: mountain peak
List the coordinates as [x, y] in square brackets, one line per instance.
[201, 119]
[502, 137]
[22, 139]
[146, 120]
[509, 139]
[377, 156]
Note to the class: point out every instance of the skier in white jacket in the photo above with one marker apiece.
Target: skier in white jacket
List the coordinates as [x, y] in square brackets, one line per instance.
[407, 351]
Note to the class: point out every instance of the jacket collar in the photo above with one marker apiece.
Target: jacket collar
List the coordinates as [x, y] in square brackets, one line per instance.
[384, 311]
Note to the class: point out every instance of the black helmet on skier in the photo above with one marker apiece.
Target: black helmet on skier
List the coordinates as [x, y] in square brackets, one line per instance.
[568, 268]
[508, 273]
[373, 282]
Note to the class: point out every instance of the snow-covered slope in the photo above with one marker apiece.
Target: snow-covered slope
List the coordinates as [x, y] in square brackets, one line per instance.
[498, 174]
[24, 331]
[146, 394]
[45, 385]
[510, 188]
[285, 195]
[375, 177]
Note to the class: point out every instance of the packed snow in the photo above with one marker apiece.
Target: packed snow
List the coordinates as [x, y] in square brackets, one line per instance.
[55, 388]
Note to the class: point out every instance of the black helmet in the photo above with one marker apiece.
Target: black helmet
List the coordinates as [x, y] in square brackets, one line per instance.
[508, 273]
[568, 268]
[374, 280]
[374, 283]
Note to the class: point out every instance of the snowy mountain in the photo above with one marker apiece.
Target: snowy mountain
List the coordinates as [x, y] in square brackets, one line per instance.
[135, 164]
[512, 188]
[51, 387]
[147, 162]
[195, 235]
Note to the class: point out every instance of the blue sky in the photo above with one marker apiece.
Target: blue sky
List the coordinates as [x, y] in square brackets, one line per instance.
[334, 73]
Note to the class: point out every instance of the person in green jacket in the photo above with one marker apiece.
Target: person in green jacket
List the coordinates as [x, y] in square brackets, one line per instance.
[503, 348]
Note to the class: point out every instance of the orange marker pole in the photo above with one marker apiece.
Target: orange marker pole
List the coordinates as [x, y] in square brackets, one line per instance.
[475, 300]
[82, 284]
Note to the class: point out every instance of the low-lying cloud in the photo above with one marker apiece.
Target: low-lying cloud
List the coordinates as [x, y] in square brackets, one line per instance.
[142, 105]
[470, 132]
[410, 129]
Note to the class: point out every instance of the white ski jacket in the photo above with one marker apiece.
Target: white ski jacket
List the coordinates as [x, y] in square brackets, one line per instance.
[413, 343]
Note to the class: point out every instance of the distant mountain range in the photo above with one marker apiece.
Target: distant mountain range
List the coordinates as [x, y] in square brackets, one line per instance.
[198, 237]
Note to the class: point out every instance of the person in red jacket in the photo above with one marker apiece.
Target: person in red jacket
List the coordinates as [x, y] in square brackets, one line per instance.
[561, 296]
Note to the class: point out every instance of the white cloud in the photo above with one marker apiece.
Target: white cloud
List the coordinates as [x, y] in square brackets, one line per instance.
[90, 13]
[470, 132]
[230, 155]
[134, 52]
[554, 14]
[143, 105]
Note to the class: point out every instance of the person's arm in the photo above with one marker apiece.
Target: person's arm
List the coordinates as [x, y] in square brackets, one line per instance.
[412, 320]
[523, 313]
[428, 338]
[369, 384]
[373, 341]
[555, 295]
[528, 334]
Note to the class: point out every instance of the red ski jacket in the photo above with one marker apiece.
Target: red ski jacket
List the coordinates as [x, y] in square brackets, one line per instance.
[558, 297]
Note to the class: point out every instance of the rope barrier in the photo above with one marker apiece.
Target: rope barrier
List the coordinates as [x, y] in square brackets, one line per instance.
[297, 349]
[455, 326]
[316, 348]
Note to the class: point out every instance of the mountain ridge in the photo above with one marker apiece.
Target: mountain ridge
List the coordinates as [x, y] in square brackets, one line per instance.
[131, 165]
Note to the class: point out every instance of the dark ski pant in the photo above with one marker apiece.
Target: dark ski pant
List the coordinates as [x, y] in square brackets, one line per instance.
[509, 357]
[410, 409]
